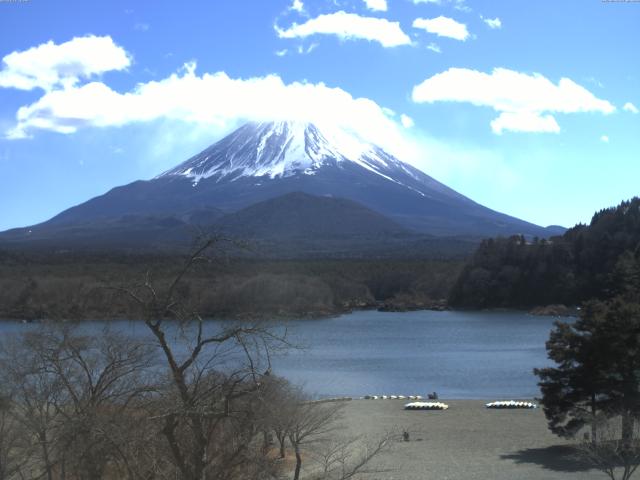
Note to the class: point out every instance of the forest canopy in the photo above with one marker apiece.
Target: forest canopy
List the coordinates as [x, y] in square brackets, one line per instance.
[598, 260]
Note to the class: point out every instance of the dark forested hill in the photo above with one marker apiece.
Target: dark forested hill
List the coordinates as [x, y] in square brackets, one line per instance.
[589, 261]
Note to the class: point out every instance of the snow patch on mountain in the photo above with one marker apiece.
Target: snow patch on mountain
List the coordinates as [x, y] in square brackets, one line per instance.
[284, 149]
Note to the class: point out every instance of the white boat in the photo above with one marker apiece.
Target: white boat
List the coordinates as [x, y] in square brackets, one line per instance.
[426, 406]
[510, 404]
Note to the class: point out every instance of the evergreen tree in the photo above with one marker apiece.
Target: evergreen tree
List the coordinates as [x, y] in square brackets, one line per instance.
[598, 368]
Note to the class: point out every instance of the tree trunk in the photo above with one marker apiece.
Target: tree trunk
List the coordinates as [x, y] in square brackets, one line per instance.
[282, 449]
[296, 474]
[627, 429]
[45, 455]
[594, 426]
[200, 450]
[93, 470]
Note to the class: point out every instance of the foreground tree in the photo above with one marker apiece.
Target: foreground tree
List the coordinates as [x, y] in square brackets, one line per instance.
[312, 423]
[572, 392]
[14, 445]
[598, 369]
[208, 406]
[35, 400]
[74, 397]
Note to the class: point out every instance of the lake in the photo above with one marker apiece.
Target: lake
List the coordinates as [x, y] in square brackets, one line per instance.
[464, 355]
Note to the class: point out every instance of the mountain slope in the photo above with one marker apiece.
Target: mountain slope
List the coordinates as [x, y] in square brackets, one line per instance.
[261, 161]
[302, 215]
[295, 225]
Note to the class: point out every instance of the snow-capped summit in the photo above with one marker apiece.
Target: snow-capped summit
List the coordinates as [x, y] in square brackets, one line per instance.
[287, 148]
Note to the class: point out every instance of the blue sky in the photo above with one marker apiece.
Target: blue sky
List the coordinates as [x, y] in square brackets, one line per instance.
[530, 108]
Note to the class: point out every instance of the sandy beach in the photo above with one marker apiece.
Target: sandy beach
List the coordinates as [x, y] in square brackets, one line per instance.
[467, 441]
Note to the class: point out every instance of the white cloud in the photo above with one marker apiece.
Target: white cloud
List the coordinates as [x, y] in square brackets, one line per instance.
[457, 4]
[49, 66]
[407, 121]
[297, 6]
[349, 26]
[142, 27]
[443, 27]
[434, 48]
[214, 99]
[376, 5]
[281, 53]
[460, 5]
[493, 23]
[604, 138]
[529, 122]
[595, 81]
[525, 102]
[630, 107]
[309, 49]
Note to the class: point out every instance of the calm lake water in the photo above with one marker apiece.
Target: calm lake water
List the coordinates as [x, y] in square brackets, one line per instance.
[474, 355]
[478, 355]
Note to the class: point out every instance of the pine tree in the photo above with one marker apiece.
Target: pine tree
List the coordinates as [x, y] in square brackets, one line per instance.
[598, 368]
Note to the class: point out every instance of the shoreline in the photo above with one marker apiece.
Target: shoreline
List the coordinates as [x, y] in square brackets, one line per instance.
[571, 312]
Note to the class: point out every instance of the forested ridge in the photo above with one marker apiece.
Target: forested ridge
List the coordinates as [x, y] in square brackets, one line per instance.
[79, 285]
[598, 260]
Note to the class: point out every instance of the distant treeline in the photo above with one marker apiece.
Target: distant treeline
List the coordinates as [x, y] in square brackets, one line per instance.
[73, 285]
[598, 260]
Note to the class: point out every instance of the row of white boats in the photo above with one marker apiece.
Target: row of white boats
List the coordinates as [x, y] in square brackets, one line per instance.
[506, 404]
[511, 404]
[392, 397]
[426, 406]
[443, 406]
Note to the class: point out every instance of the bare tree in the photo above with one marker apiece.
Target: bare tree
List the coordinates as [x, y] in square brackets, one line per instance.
[343, 459]
[213, 374]
[616, 451]
[101, 377]
[36, 396]
[314, 429]
[14, 445]
[74, 395]
[312, 423]
[279, 402]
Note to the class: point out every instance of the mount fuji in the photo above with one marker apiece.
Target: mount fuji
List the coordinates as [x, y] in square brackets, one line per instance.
[350, 186]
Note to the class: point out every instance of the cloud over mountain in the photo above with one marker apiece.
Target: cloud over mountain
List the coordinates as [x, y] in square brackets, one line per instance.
[214, 99]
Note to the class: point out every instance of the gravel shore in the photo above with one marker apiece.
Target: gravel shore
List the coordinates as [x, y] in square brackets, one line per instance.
[467, 441]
